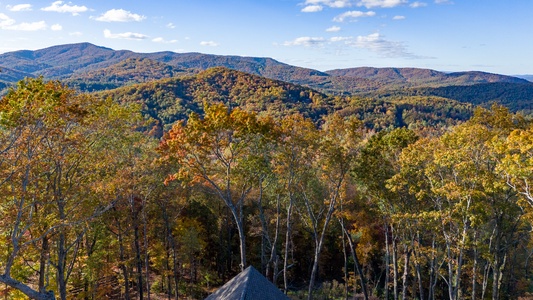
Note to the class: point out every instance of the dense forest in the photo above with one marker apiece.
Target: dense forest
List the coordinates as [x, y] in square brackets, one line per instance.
[169, 100]
[168, 189]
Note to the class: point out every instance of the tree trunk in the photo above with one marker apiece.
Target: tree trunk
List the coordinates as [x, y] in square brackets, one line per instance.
[272, 261]
[314, 270]
[433, 271]
[394, 263]
[498, 275]
[242, 242]
[123, 265]
[474, 271]
[407, 256]
[420, 283]
[387, 261]
[168, 246]
[416, 255]
[276, 268]
[358, 266]
[265, 236]
[485, 282]
[345, 256]
[237, 213]
[318, 247]
[138, 261]
[176, 270]
[146, 257]
[459, 270]
[61, 260]
[26, 290]
[495, 277]
[287, 241]
[43, 261]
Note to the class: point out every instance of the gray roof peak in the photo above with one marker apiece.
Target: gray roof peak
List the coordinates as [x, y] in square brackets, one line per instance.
[248, 285]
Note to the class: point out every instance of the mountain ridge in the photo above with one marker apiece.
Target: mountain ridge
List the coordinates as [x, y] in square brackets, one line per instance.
[418, 76]
[65, 61]
[528, 77]
[168, 100]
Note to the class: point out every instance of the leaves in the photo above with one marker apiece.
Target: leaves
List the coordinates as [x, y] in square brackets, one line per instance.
[52, 170]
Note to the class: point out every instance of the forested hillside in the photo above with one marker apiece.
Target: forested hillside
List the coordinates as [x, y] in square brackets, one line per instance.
[169, 100]
[124, 73]
[171, 187]
[515, 96]
[413, 77]
[91, 68]
[60, 62]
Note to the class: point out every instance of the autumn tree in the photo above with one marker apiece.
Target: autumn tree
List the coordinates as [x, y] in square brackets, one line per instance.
[459, 191]
[212, 152]
[293, 164]
[339, 144]
[55, 137]
[378, 163]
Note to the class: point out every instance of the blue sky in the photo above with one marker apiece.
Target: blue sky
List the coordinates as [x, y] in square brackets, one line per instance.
[446, 35]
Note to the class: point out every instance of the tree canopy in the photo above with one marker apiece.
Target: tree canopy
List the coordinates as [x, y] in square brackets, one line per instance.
[357, 199]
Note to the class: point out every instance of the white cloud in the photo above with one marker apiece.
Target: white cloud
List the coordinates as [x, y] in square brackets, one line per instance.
[163, 41]
[443, 2]
[56, 27]
[336, 39]
[209, 43]
[59, 7]
[7, 23]
[34, 26]
[350, 3]
[398, 18]
[333, 29]
[305, 41]
[119, 15]
[380, 3]
[329, 3]
[171, 26]
[312, 8]
[353, 14]
[75, 33]
[376, 43]
[418, 4]
[19, 7]
[125, 35]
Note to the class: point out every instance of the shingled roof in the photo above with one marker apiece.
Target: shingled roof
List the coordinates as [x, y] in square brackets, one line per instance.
[248, 285]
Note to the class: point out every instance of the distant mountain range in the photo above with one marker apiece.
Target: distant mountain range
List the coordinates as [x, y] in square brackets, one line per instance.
[93, 68]
[526, 77]
[85, 61]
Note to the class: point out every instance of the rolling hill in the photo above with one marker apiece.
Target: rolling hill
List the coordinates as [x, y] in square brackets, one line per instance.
[81, 62]
[413, 77]
[126, 72]
[64, 61]
[515, 96]
[171, 99]
[171, 85]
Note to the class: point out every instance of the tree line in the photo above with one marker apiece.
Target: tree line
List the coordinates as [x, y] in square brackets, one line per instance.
[92, 207]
